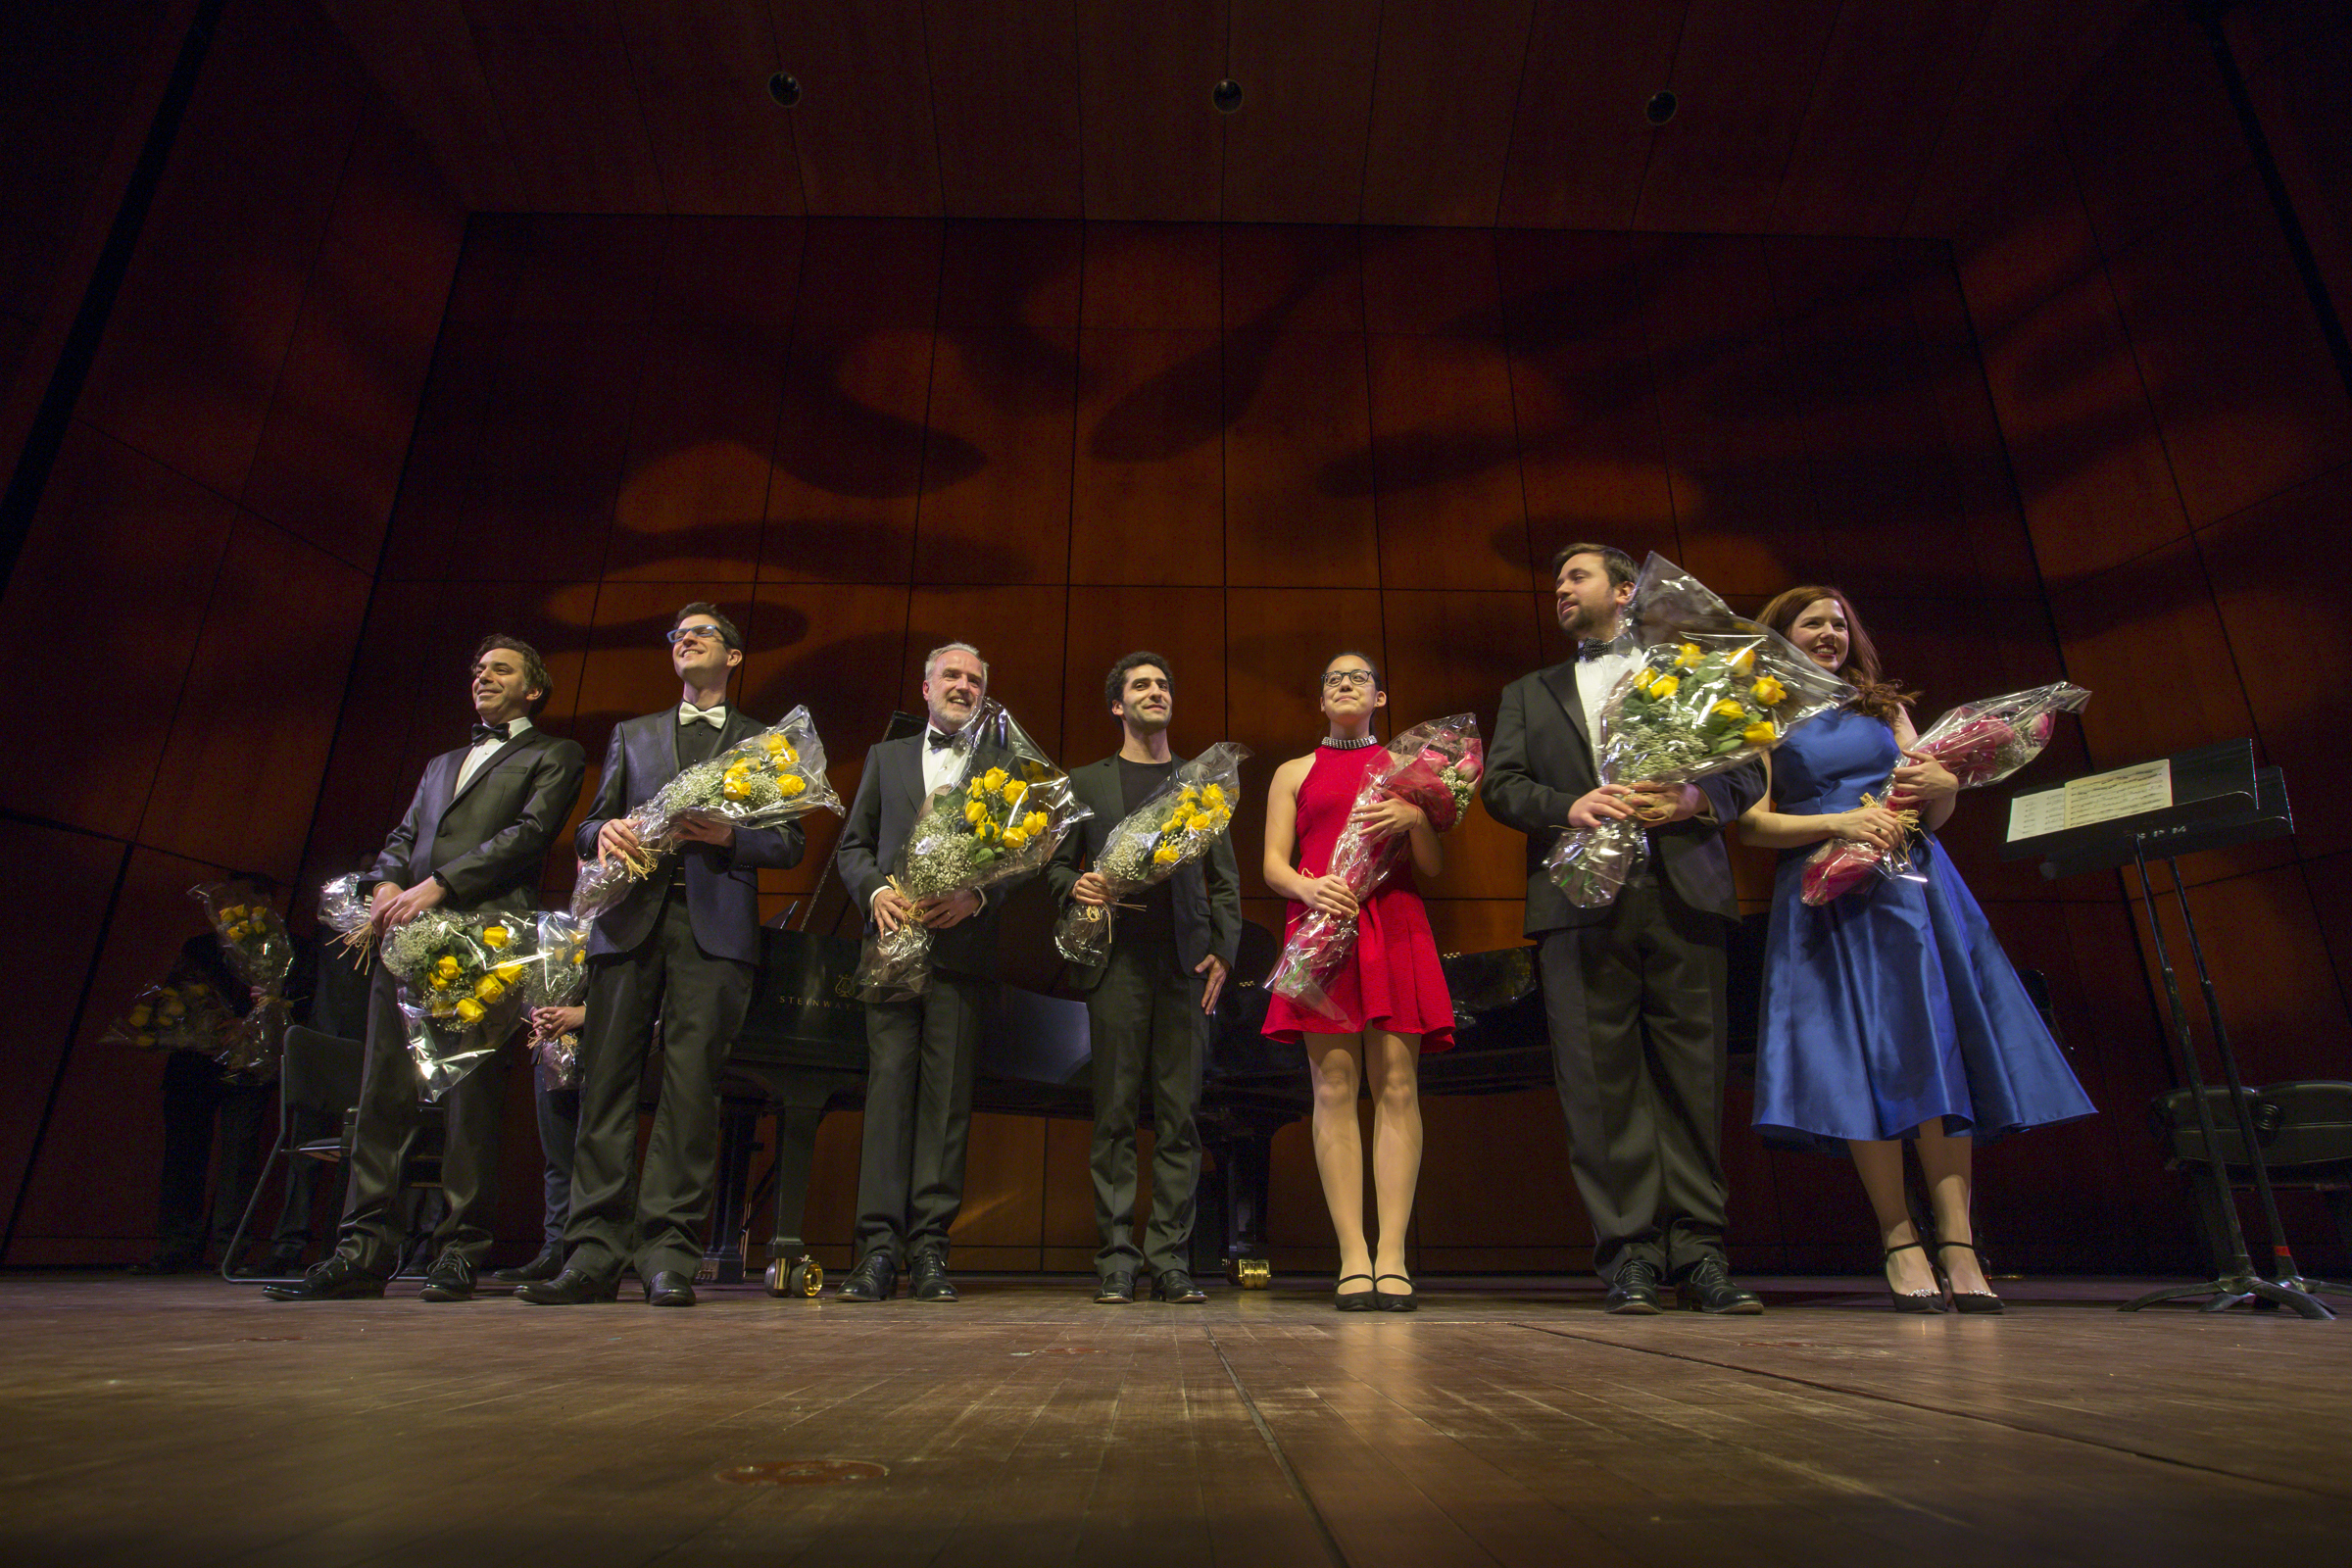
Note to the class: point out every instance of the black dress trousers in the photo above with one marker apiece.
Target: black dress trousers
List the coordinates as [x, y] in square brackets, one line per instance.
[919, 1117]
[1149, 1036]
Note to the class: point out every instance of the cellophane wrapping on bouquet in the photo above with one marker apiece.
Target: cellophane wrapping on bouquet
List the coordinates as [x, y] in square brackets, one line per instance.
[1980, 742]
[347, 907]
[557, 976]
[177, 1015]
[1177, 824]
[261, 954]
[461, 988]
[1713, 691]
[999, 819]
[1434, 766]
[763, 780]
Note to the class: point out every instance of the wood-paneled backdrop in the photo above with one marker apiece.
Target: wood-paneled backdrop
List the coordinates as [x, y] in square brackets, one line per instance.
[1245, 445]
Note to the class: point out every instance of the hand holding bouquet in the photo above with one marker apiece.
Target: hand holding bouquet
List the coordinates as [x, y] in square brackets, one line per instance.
[1713, 691]
[764, 780]
[999, 819]
[461, 988]
[1979, 743]
[347, 907]
[1433, 765]
[1178, 823]
[556, 975]
[260, 953]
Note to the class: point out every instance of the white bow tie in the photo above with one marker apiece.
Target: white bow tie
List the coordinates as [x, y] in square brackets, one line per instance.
[715, 717]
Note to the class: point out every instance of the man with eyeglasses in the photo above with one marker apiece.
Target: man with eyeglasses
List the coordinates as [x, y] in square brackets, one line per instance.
[681, 948]
[918, 1082]
[474, 839]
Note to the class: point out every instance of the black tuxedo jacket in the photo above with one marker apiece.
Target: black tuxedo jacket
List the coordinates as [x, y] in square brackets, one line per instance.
[1540, 761]
[890, 797]
[1206, 892]
[488, 841]
[722, 886]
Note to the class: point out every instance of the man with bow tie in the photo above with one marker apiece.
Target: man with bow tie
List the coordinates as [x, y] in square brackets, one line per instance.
[682, 948]
[1634, 993]
[918, 1083]
[474, 839]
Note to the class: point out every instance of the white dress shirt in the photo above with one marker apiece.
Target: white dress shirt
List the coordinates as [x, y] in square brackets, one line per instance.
[484, 749]
[1596, 677]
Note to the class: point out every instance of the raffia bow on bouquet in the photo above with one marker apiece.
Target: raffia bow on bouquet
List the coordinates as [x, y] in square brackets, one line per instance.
[999, 819]
[556, 975]
[1178, 823]
[347, 907]
[1980, 742]
[763, 780]
[1434, 766]
[1713, 691]
[261, 954]
[461, 988]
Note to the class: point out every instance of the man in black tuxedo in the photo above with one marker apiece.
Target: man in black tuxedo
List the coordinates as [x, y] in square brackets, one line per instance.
[1634, 993]
[1146, 1006]
[682, 948]
[919, 1078]
[473, 841]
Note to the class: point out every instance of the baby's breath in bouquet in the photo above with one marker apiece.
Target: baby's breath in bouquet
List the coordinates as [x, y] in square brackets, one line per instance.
[1713, 690]
[461, 988]
[1178, 823]
[999, 819]
[764, 780]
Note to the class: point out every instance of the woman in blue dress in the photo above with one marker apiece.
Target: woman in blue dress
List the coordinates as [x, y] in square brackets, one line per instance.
[1890, 1013]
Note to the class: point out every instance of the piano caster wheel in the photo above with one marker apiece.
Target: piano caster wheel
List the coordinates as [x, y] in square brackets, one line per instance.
[804, 1278]
[1250, 1273]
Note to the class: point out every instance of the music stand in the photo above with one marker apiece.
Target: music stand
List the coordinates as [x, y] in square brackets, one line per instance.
[2207, 799]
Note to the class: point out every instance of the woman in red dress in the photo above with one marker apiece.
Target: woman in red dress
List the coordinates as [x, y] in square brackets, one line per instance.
[1391, 991]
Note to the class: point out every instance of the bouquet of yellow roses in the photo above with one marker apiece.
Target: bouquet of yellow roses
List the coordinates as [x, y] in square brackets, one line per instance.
[764, 780]
[1713, 691]
[999, 819]
[259, 954]
[1178, 824]
[557, 976]
[461, 988]
[182, 1015]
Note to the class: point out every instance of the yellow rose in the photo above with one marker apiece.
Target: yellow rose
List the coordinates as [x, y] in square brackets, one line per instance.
[141, 1018]
[440, 981]
[1034, 823]
[489, 989]
[977, 788]
[579, 954]
[493, 937]
[1743, 662]
[1643, 677]
[232, 911]
[1015, 838]
[1174, 824]
[995, 779]
[1014, 791]
[774, 744]
[1761, 733]
[1164, 856]
[510, 970]
[446, 966]
[790, 784]
[1771, 693]
[1727, 709]
[143, 1042]
[1687, 657]
[734, 789]
[171, 1007]
[974, 811]
[1214, 795]
[1665, 686]
[470, 1012]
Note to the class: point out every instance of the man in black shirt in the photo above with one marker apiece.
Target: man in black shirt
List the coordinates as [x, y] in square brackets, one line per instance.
[1147, 1005]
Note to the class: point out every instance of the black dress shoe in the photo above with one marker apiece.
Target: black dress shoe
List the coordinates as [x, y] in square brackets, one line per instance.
[1116, 1289]
[874, 1280]
[336, 1277]
[668, 1287]
[1635, 1290]
[450, 1279]
[546, 1266]
[930, 1278]
[1403, 1301]
[1175, 1287]
[1708, 1288]
[571, 1287]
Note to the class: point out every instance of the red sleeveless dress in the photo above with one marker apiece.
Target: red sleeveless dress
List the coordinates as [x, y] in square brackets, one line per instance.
[1392, 980]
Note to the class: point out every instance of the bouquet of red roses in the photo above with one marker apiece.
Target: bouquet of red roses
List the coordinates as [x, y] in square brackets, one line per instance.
[1433, 765]
[1981, 743]
[1713, 691]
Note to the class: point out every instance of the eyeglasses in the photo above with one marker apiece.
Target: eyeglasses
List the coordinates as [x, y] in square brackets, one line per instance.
[1346, 677]
[708, 634]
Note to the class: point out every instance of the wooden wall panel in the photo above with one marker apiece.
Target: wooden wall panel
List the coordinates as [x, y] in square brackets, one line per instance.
[1292, 277]
[1295, 153]
[558, 82]
[2155, 614]
[1454, 653]
[1153, 275]
[998, 275]
[582, 268]
[1299, 506]
[996, 407]
[1580, 140]
[695, 482]
[1185, 626]
[548, 463]
[1149, 480]
[863, 130]
[2280, 995]
[2151, 126]
[732, 272]
[849, 456]
[1446, 491]
[1443, 85]
[994, 162]
[719, 144]
[2002, 545]
[2309, 127]
[2032, 240]
[1019, 632]
[1153, 140]
[1746, 73]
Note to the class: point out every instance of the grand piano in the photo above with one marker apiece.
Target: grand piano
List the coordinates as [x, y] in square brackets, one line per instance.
[802, 1056]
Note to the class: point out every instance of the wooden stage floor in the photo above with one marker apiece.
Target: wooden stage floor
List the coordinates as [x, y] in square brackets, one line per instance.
[185, 1422]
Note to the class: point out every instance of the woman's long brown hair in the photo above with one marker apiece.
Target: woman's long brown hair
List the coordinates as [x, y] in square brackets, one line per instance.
[1881, 698]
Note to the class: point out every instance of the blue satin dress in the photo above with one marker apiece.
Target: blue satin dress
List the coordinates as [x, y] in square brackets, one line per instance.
[1893, 1002]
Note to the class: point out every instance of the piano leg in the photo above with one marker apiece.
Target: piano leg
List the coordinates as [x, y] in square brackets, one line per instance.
[738, 1133]
[1246, 1167]
[791, 1271]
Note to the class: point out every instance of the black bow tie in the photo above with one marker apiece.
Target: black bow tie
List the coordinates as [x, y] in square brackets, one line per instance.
[490, 732]
[940, 741]
[1595, 647]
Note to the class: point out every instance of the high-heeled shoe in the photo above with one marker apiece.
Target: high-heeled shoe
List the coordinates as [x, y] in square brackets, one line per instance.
[1394, 1300]
[1966, 1300]
[1363, 1301]
[1911, 1301]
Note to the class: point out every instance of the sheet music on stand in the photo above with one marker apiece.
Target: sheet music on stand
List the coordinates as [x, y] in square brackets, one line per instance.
[2207, 799]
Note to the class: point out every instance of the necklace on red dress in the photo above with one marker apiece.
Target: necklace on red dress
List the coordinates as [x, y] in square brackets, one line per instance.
[1355, 745]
